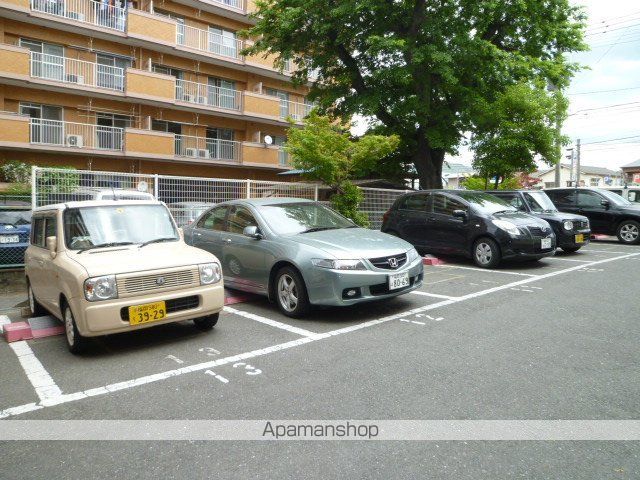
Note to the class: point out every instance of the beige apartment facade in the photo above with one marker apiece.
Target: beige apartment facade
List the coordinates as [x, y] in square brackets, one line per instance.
[145, 87]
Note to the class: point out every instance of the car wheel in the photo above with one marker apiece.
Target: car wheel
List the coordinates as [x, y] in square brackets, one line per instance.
[206, 323]
[291, 293]
[571, 249]
[76, 342]
[486, 253]
[629, 232]
[34, 306]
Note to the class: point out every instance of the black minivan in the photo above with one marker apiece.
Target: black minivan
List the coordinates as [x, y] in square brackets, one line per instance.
[608, 212]
[572, 231]
[470, 223]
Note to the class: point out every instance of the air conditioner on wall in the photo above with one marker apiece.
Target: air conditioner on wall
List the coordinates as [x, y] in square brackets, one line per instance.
[191, 152]
[74, 141]
[187, 97]
[203, 153]
[72, 78]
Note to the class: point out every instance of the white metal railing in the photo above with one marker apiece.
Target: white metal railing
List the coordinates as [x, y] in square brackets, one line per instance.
[75, 135]
[86, 11]
[207, 148]
[207, 41]
[235, 4]
[69, 70]
[295, 110]
[203, 94]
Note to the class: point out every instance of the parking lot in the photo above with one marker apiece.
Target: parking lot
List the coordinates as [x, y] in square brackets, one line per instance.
[554, 339]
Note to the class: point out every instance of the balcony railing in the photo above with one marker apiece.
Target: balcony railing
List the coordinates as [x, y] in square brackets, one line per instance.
[234, 4]
[85, 11]
[295, 110]
[202, 94]
[69, 70]
[207, 41]
[207, 148]
[75, 135]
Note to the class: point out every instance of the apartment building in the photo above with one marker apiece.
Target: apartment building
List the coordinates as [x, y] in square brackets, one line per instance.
[144, 86]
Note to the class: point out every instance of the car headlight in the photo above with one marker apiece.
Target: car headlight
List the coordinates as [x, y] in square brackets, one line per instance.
[209, 273]
[338, 264]
[412, 255]
[568, 225]
[100, 288]
[508, 227]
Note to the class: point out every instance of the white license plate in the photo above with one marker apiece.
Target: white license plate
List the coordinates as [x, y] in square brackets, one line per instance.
[9, 238]
[546, 243]
[398, 280]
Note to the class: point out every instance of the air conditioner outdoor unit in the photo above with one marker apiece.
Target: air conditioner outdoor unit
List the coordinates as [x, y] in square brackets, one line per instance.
[203, 153]
[72, 78]
[74, 141]
[202, 100]
[187, 97]
[191, 152]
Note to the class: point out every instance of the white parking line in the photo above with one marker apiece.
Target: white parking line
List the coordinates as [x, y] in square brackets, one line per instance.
[434, 295]
[568, 259]
[601, 251]
[42, 382]
[272, 323]
[487, 270]
[284, 346]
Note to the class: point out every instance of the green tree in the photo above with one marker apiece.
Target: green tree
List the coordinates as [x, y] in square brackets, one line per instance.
[482, 183]
[515, 129]
[419, 68]
[326, 152]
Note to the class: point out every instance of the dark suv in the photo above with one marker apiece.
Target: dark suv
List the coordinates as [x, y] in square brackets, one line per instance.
[608, 212]
[469, 223]
[572, 231]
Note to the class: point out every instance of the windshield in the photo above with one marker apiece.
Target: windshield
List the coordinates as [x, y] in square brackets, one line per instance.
[88, 227]
[292, 218]
[486, 202]
[15, 217]
[540, 202]
[615, 198]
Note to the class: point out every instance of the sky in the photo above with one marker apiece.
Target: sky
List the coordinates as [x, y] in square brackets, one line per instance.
[605, 96]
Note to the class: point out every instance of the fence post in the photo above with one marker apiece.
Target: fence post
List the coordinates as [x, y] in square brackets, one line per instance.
[155, 185]
[34, 169]
[315, 193]
[248, 188]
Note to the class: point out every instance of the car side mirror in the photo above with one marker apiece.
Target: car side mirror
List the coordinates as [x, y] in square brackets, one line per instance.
[605, 203]
[252, 232]
[52, 246]
[460, 214]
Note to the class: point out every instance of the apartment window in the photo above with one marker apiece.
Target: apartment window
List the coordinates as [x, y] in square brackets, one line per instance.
[164, 126]
[174, 72]
[180, 37]
[594, 182]
[284, 100]
[223, 93]
[110, 70]
[220, 143]
[223, 42]
[47, 59]
[109, 137]
[46, 125]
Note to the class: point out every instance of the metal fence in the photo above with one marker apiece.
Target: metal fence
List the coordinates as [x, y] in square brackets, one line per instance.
[86, 11]
[183, 195]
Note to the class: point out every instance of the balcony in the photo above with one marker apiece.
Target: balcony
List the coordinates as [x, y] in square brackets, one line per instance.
[283, 158]
[208, 95]
[208, 149]
[75, 135]
[295, 110]
[206, 41]
[69, 70]
[84, 11]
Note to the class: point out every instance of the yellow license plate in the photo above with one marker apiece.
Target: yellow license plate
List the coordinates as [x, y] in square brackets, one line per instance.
[580, 238]
[149, 312]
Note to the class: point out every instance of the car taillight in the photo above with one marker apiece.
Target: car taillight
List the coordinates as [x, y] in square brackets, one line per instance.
[385, 217]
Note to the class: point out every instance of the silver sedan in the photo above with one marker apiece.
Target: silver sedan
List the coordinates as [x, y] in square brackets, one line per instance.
[300, 253]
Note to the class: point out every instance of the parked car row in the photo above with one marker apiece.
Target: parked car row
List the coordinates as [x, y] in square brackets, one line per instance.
[109, 266]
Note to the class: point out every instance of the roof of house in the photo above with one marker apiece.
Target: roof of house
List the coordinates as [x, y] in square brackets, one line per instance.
[632, 164]
[586, 169]
[453, 170]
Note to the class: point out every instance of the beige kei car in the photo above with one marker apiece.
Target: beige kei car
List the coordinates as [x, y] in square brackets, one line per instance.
[113, 266]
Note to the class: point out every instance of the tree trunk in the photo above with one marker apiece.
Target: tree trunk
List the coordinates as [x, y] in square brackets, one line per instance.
[428, 164]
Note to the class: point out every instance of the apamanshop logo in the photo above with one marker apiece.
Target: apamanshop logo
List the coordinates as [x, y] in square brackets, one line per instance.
[324, 431]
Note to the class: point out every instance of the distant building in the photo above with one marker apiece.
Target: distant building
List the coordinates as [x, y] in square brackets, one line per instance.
[632, 172]
[589, 176]
[454, 173]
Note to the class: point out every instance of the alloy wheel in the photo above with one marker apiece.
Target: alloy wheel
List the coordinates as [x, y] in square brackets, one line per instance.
[484, 253]
[287, 293]
[629, 233]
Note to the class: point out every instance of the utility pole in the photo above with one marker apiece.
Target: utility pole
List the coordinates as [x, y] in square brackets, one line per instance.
[578, 163]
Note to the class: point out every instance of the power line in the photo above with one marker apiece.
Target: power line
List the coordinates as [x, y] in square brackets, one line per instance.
[611, 140]
[603, 108]
[605, 91]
